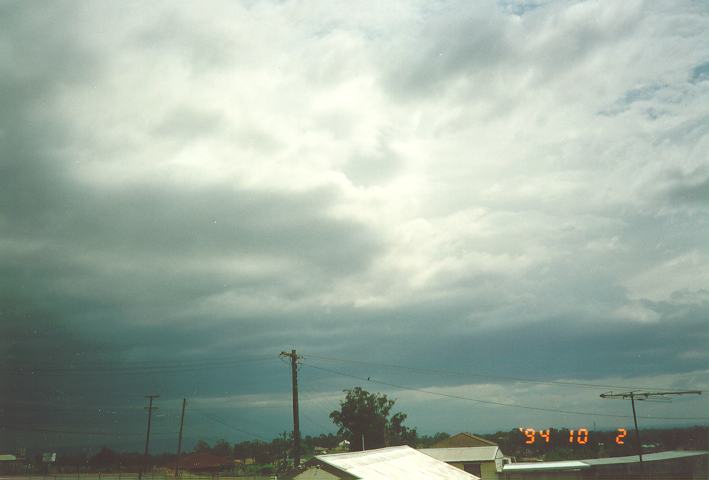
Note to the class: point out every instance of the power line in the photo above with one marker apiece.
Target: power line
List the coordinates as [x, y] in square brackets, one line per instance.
[66, 432]
[491, 402]
[149, 363]
[130, 370]
[317, 424]
[225, 424]
[480, 375]
[314, 400]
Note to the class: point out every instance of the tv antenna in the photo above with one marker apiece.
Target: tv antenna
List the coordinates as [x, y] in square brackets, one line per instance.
[642, 395]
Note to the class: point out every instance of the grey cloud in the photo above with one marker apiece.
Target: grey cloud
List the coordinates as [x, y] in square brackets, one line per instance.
[691, 189]
[520, 8]
[700, 73]
[184, 124]
[634, 95]
[475, 51]
[684, 190]
[449, 44]
[200, 48]
[93, 275]
[374, 166]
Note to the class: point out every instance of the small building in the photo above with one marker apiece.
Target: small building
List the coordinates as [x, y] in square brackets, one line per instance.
[484, 462]
[675, 465]
[391, 463]
[463, 439]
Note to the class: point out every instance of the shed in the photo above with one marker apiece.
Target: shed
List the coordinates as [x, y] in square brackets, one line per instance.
[391, 463]
[484, 462]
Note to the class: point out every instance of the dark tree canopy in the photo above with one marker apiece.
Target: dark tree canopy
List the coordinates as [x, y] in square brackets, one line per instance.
[222, 448]
[365, 416]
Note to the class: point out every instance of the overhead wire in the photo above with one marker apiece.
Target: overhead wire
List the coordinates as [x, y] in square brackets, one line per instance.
[480, 375]
[215, 419]
[318, 404]
[25, 428]
[132, 370]
[491, 402]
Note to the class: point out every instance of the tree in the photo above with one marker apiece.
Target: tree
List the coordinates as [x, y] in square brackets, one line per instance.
[202, 447]
[222, 448]
[398, 434]
[365, 416]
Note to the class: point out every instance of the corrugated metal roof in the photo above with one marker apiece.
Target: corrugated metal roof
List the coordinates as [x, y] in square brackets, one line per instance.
[565, 465]
[463, 439]
[595, 462]
[394, 463]
[648, 457]
[463, 454]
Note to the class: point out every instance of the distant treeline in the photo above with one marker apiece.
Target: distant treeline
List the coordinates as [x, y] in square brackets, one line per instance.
[562, 444]
[260, 452]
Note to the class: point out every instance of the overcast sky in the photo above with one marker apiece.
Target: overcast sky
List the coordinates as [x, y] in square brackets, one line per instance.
[497, 191]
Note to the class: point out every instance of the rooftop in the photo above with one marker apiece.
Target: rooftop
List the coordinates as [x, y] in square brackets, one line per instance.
[463, 454]
[595, 462]
[392, 463]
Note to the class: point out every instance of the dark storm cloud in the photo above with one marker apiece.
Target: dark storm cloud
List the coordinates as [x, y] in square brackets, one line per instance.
[336, 245]
[576, 345]
[92, 275]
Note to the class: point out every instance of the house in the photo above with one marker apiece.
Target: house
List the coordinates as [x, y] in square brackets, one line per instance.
[485, 462]
[391, 463]
[677, 465]
[463, 439]
[470, 453]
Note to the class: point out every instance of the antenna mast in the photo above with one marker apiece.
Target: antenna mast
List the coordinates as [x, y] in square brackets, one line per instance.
[640, 395]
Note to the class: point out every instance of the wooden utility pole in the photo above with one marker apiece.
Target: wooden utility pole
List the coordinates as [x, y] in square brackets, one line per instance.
[296, 422]
[147, 434]
[179, 438]
[638, 395]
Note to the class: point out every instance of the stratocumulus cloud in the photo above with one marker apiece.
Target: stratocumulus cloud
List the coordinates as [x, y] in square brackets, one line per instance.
[505, 188]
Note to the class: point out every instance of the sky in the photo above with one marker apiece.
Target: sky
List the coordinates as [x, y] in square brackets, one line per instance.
[490, 211]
